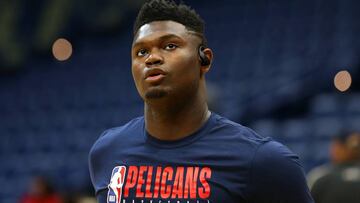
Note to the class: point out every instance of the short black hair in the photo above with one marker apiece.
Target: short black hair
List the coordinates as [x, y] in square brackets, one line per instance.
[159, 10]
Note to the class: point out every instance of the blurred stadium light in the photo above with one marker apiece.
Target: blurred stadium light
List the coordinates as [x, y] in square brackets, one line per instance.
[342, 80]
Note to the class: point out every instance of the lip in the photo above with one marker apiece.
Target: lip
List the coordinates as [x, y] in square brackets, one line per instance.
[155, 79]
[154, 75]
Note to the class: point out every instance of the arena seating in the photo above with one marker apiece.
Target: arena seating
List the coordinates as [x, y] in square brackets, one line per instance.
[310, 135]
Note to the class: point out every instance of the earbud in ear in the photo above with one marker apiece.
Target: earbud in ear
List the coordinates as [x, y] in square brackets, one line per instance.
[204, 60]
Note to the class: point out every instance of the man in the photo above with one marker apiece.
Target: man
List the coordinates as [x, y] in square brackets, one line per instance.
[180, 152]
[339, 182]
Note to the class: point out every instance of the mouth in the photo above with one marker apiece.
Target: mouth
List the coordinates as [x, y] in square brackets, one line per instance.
[154, 76]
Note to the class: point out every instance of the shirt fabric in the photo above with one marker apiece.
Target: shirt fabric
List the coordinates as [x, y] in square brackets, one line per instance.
[222, 162]
[341, 183]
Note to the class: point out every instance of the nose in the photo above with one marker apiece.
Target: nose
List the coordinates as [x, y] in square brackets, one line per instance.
[154, 59]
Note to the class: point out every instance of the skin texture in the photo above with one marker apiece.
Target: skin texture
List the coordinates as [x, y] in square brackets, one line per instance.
[175, 97]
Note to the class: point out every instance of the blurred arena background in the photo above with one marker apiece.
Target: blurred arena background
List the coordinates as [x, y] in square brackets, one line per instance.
[288, 69]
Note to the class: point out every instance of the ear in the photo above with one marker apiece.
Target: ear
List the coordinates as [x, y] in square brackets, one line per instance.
[209, 55]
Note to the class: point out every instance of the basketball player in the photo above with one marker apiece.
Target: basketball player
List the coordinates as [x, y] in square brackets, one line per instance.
[179, 151]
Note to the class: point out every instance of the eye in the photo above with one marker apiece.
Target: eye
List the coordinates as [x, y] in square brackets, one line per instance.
[171, 46]
[142, 52]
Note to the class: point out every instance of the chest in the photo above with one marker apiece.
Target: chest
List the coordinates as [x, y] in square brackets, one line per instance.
[177, 178]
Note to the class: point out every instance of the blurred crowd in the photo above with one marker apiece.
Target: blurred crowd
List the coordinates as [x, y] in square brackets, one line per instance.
[338, 181]
[41, 190]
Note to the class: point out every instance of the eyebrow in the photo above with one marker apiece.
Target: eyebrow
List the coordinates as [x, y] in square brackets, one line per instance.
[198, 34]
[162, 38]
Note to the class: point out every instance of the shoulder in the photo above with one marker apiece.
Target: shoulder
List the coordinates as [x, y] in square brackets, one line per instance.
[113, 138]
[106, 148]
[276, 173]
[243, 140]
[110, 135]
[274, 152]
[123, 129]
[266, 150]
[231, 137]
[276, 160]
[236, 130]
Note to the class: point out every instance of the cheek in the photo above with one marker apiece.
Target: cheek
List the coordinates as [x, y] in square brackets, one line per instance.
[135, 69]
[188, 68]
[137, 74]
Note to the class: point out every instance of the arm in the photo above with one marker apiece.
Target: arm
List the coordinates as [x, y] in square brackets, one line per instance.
[98, 178]
[277, 176]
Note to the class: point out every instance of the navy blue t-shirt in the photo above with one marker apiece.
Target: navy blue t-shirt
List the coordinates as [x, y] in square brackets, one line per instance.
[223, 162]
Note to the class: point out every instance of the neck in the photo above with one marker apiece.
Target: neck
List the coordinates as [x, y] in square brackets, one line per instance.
[177, 120]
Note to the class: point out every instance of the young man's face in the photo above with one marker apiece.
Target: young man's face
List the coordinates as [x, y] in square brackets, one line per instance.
[165, 61]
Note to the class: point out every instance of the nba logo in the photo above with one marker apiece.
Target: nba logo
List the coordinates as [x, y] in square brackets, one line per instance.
[116, 184]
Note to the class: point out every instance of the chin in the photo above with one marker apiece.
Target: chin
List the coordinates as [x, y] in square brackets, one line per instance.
[155, 94]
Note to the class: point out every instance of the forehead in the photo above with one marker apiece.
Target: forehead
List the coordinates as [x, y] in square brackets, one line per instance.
[159, 28]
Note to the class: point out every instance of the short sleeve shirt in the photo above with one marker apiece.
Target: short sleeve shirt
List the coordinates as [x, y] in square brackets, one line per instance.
[221, 162]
